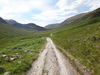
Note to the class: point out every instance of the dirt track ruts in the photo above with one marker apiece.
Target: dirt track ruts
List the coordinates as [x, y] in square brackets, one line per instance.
[51, 62]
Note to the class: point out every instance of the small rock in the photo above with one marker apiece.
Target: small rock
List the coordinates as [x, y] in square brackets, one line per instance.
[84, 40]
[19, 62]
[4, 56]
[26, 50]
[7, 73]
[12, 58]
[1, 69]
[7, 57]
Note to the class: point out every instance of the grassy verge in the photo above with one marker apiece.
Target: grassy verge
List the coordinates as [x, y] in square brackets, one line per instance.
[83, 43]
[25, 50]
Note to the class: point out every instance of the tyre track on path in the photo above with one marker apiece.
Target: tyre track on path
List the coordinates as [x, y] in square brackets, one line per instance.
[51, 62]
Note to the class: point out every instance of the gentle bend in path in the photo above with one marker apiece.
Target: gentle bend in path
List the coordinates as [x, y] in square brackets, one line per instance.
[51, 62]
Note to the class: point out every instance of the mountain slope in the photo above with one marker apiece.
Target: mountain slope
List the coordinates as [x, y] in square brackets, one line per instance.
[9, 31]
[77, 18]
[66, 22]
[52, 26]
[30, 26]
[2, 20]
[81, 40]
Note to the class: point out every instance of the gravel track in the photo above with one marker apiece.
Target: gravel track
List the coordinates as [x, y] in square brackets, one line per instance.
[51, 62]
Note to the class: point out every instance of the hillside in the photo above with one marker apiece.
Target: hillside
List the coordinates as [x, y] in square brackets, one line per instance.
[29, 26]
[76, 18]
[52, 26]
[11, 28]
[2, 20]
[24, 50]
[66, 22]
[8, 31]
[81, 40]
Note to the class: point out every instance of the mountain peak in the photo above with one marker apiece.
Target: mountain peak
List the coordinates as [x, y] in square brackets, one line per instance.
[29, 26]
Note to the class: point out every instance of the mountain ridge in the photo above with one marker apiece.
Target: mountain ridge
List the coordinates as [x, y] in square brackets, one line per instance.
[14, 29]
[76, 18]
[29, 26]
[2, 20]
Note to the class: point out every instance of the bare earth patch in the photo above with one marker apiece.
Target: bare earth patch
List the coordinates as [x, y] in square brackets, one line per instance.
[51, 62]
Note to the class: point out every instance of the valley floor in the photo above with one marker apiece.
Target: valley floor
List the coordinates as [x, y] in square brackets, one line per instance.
[51, 62]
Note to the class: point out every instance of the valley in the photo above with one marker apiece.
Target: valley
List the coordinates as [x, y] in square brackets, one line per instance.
[28, 49]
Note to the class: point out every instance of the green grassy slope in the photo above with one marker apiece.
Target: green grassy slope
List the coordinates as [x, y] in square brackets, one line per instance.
[82, 41]
[8, 31]
[77, 18]
[23, 60]
[15, 40]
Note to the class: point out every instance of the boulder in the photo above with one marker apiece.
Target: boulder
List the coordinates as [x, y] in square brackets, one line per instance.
[4, 56]
[7, 73]
[26, 50]
[12, 58]
[7, 57]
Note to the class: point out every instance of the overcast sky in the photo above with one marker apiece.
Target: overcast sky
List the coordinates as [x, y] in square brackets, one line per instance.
[44, 12]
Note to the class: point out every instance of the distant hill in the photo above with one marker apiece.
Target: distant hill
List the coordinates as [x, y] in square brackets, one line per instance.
[66, 22]
[11, 28]
[73, 19]
[9, 31]
[52, 26]
[81, 38]
[29, 26]
[76, 18]
[2, 20]
[11, 21]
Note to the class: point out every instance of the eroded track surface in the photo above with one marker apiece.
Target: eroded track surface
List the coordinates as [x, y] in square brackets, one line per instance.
[51, 62]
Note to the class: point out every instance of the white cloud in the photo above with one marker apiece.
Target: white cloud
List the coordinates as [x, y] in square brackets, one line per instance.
[20, 6]
[49, 13]
[94, 4]
[71, 4]
[77, 4]
[52, 15]
[66, 7]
